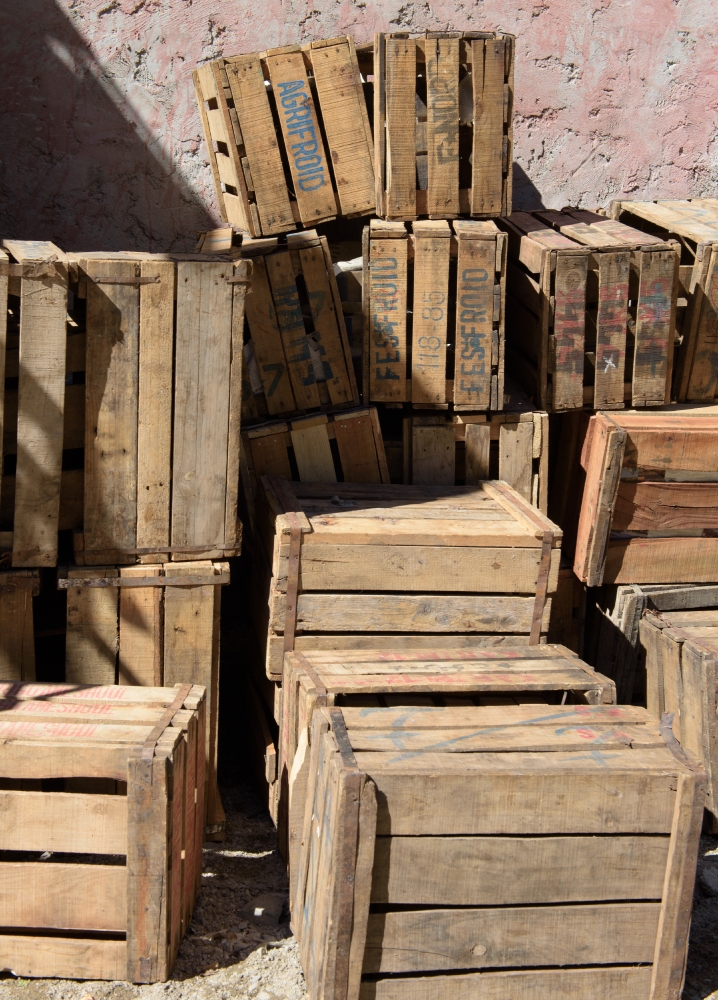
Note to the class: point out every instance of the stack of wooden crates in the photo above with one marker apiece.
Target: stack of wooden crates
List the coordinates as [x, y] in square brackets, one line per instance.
[396, 477]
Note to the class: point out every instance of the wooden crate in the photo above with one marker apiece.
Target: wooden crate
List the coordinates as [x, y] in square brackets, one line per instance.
[612, 642]
[566, 625]
[507, 675]
[456, 449]
[443, 109]
[288, 135]
[363, 566]
[591, 311]
[694, 224]
[434, 314]
[151, 625]
[681, 654]
[17, 636]
[302, 449]
[649, 505]
[133, 786]
[545, 858]
[296, 351]
[161, 403]
[33, 393]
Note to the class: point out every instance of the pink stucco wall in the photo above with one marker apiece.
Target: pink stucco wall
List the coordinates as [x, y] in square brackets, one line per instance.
[101, 142]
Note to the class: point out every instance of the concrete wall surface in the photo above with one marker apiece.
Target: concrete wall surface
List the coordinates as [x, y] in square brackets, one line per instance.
[102, 145]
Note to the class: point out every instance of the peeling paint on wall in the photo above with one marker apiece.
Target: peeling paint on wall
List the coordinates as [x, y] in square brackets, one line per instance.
[102, 145]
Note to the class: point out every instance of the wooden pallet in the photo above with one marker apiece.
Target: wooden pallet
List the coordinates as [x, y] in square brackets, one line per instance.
[681, 656]
[454, 852]
[613, 645]
[161, 410]
[33, 342]
[151, 625]
[443, 109]
[456, 449]
[288, 135]
[302, 449]
[649, 505]
[526, 676]
[132, 780]
[17, 637]
[297, 354]
[355, 566]
[443, 342]
[591, 311]
[694, 224]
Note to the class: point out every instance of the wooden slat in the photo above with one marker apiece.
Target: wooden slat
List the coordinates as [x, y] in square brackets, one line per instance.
[154, 418]
[17, 638]
[246, 81]
[92, 631]
[326, 327]
[662, 506]
[140, 630]
[569, 332]
[655, 323]
[462, 717]
[312, 451]
[433, 454]
[516, 456]
[415, 804]
[661, 560]
[111, 393]
[69, 958]
[430, 318]
[340, 93]
[442, 126]
[603, 469]
[477, 450]
[267, 342]
[82, 897]
[201, 417]
[288, 311]
[64, 822]
[613, 272]
[487, 157]
[464, 939]
[509, 871]
[41, 399]
[417, 568]
[700, 375]
[400, 127]
[302, 138]
[564, 984]
[387, 319]
[474, 322]
[360, 446]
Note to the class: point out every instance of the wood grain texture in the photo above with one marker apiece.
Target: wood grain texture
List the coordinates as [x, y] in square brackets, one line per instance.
[442, 126]
[67, 958]
[400, 127]
[430, 318]
[111, 393]
[140, 630]
[64, 822]
[17, 634]
[92, 632]
[80, 897]
[386, 331]
[201, 418]
[487, 160]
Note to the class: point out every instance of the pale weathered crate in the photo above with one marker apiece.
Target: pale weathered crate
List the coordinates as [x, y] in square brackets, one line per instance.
[681, 657]
[288, 135]
[17, 634]
[505, 675]
[133, 787]
[650, 504]
[475, 852]
[591, 311]
[612, 643]
[151, 625]
[455, 449]
[443, 132]
[363, 566]
[33, 343]
[162, 405]
[296, 351]
[302, 449]
[694, 224]
[434, 314]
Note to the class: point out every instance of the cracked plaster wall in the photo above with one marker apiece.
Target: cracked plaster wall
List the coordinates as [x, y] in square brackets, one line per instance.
[102, 144]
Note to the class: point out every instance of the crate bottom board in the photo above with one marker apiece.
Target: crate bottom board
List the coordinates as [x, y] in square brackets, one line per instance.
[539, 984]
[417, 640]
[38, 956]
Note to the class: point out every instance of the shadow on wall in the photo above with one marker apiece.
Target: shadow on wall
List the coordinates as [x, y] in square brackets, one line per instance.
[527, 196]
[74, 167]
